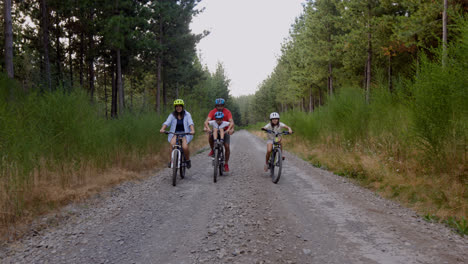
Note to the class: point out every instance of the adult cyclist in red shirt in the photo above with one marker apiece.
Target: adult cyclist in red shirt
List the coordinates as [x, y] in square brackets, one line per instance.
[230, 129]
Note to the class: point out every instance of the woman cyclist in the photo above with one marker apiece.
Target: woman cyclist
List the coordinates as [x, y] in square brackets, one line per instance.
[276, 126]
[180, 121]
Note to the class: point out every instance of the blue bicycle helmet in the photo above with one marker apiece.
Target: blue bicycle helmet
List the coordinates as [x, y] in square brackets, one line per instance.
[219, 115]
[219, 101]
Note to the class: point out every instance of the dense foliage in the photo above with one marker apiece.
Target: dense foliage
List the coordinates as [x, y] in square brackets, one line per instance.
[90, 84]
[337, 44]
[417, 85]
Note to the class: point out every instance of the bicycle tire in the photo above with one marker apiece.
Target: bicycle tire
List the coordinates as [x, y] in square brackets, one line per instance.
[271, 163]
[215, 165]
[277, 162]
[221, 162]
[182, 166]
[175, 161]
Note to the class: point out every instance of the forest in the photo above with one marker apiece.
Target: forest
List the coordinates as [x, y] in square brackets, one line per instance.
[85, 86]
[378, 90]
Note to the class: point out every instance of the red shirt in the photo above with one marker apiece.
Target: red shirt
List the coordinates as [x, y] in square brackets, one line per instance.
[227, 115]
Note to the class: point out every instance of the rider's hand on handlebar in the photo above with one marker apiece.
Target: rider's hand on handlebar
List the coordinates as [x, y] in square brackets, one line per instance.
[162, 130]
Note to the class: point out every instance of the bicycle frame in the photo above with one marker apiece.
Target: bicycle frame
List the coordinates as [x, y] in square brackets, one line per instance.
[276, 154]
[177, 147]
[218, 159]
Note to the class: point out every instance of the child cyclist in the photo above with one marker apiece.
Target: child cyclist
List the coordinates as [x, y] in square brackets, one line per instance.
[218, 125]
[276, 126]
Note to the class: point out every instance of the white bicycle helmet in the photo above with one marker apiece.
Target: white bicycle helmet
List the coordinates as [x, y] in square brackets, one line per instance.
[274, 115]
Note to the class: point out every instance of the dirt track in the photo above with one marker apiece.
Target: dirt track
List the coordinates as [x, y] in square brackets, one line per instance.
[311, 216]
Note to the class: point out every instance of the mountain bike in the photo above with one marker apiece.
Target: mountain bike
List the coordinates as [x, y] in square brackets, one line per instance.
[177, 157]
[275, 163]
[218, 158]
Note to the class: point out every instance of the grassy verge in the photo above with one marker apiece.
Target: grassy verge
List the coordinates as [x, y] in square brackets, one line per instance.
[55, 148]
[435, 194]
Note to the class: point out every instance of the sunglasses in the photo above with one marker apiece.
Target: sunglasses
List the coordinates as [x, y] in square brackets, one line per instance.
[179, 105]
[219, 105]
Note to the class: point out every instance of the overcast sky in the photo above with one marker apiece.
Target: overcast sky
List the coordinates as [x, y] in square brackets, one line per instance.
[246, 37]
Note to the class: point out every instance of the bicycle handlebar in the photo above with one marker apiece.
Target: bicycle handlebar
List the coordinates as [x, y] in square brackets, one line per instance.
[277, 133]
[177, 133]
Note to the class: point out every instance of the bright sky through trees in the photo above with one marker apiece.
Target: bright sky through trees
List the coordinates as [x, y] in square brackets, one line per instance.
[246, 36]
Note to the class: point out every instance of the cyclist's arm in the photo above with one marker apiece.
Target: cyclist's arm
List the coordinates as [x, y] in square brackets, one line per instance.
[231, 126]
[192, 129]
[288, 128]
[206, 125]
[163, 128]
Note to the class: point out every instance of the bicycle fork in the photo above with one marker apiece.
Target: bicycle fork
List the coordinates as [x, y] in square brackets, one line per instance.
[178, 160]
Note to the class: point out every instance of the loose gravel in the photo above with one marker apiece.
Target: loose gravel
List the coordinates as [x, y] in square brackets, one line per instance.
[310, 216]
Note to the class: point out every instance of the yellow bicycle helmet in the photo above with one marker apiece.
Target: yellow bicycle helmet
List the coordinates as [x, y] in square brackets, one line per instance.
[179, 102]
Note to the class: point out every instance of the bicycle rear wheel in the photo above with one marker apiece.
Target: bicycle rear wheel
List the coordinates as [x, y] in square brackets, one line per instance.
[175, 161]
[215, 165]
[277, 165]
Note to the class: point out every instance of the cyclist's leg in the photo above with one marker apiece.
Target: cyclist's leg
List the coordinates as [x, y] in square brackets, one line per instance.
[185, 148]
[172, 143]
[281, 146]
[268, 153]
[221, 134]
[210, 140]
[215, 134]
[227, 150]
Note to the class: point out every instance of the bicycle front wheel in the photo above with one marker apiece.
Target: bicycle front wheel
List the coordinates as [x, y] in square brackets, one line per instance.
[277, 166]
[221, 162]
[215, 165]
[182, 166]
[175, 161]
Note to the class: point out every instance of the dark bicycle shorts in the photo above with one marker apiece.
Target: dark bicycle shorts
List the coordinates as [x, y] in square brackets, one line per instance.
[227, 138]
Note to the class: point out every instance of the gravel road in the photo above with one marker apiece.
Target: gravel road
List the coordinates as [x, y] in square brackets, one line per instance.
[310, 216]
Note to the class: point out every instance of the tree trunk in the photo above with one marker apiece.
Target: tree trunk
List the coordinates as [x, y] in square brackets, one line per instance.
[8, 39]
[70, 60]
[91, 66]
[164, 90]
[320, 97]
[45, 43]
[81, 56]
[311, 101]
[105, 92]
[158, 92]
[444, 34]
[123, 90]
[114, 94]
[58, 59]
[119, 83]
[131, 94]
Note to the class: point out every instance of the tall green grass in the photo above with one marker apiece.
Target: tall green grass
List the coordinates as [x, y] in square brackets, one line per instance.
[63, 131]
[426, 116]
[410, 143]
